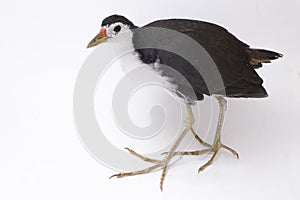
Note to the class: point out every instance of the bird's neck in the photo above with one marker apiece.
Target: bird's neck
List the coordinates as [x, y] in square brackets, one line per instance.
[123, 43]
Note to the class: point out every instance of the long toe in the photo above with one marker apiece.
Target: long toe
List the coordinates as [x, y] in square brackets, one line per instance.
[215, 149]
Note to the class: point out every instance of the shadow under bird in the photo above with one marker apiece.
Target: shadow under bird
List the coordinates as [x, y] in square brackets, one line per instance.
[234, 60]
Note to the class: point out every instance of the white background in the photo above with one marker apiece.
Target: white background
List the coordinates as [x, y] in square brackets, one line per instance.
[42, 47]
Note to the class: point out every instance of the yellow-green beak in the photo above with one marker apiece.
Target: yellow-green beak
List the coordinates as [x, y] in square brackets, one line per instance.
[100, 38]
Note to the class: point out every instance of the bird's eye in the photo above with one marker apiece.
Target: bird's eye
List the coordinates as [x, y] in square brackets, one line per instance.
[117, 28]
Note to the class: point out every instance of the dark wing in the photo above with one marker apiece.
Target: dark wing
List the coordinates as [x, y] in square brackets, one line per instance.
[232, 57]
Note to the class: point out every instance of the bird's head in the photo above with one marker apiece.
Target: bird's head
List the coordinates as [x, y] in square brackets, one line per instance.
[111, 27]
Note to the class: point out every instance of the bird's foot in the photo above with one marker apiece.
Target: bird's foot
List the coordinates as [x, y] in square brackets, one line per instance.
[213, 149]
[163, 164]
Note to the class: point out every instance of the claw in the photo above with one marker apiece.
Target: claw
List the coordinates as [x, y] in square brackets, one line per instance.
[130, 150]
[116, 175]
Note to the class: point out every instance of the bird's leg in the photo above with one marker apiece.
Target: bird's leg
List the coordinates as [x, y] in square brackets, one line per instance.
[188, 126]
[169, 155]
[217, 144]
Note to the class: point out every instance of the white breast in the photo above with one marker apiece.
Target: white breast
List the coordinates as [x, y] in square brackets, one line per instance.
[133, 67]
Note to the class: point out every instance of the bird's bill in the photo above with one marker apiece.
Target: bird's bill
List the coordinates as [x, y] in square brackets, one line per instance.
[100, 38]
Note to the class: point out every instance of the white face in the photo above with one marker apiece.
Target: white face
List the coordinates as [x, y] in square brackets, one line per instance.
[114, 29]
[114, 32]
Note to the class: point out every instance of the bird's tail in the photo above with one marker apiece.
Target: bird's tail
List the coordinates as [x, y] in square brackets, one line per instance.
[259, 56]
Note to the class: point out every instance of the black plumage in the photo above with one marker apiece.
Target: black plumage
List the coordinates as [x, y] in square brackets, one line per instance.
[117, 18]
[235, 60]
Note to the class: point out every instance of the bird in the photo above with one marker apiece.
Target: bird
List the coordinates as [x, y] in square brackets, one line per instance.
[235, 61]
